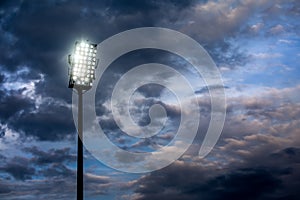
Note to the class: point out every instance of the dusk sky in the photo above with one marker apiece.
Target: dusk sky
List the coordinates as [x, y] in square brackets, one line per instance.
[255, 46]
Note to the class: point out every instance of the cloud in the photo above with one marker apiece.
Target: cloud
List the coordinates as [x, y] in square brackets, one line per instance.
[266, 55]
[256, 27]
[97, 185]
[50, 163]
[13, 103]
[35, 104]
[30, 114]
[57, 170]
[191, 181]
[43, 52]
[49, 122]
[51, 156]
[212, 87]
[151, 90]
[278, 29]
[56, 179]
[4, 189]
[257, 156]
[19, 168]
[2, 78]
[42, 189]
[213, 21]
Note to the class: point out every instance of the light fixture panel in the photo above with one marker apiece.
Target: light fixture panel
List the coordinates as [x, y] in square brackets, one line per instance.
[82, 64]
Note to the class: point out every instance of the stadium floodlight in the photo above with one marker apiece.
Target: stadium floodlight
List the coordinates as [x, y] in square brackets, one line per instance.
[82, 67]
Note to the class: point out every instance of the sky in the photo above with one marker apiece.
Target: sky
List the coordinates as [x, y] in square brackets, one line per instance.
[255, 46]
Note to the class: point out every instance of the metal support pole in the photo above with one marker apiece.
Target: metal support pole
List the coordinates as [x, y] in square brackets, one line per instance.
[80, 147]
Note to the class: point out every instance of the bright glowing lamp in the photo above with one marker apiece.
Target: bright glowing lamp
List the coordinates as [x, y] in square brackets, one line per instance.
[82, 65]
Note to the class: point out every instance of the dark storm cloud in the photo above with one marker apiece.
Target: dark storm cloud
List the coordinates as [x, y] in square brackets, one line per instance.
[50, 122]
[133, 6]
[2, 158]
[57, 170]
[272, 180]
[40, 35]
[59, 188]
[56, 180]
[2, 78]
[30, 114]
[12, 103]
[50, 164]
[4, 188]
[51, 156]
[257, 156]
[19, 168]
[44, 32]
[244, 183]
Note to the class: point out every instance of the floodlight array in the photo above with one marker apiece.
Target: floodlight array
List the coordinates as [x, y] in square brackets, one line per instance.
[83, 64]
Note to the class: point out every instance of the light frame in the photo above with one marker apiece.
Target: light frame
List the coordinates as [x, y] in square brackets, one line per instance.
[83, 63]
